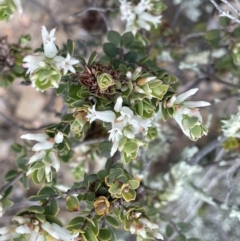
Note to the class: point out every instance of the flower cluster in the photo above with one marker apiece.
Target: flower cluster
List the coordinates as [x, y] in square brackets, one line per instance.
[143, 228]
[186, 114]
[45, 157]
[8, 7]
[46, 67]
[124, 124]
[139, 16]
[34, 230]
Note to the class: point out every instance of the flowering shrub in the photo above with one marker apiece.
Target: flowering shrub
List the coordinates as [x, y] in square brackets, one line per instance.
[123, 91]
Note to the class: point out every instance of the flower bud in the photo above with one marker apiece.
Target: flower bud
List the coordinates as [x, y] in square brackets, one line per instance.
[101, 206]
[45, 78]
[104, 81]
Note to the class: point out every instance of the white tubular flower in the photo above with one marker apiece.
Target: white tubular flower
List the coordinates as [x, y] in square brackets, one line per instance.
[125, 9]
[57, 232]
[182, 97]
[187, 115]
[126, 112]
[142, 226]
[45, 141]
[147, 17]
[114, 148]
[142, 6]
[105, 116]
[66, 63]
[116, 132]
[19, 6]
[33, 62]
[50, 49]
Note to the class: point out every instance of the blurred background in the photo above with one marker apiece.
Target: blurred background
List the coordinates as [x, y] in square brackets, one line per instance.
[180, 47]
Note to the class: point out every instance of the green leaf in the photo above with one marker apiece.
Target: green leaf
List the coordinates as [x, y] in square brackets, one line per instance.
[102, 174]
[127, 39]
[180, 237]
[68, 118]
[193, 239]
[90, 235]
[70, 46]
[75, 224]
[72, 203]
[134, 184]
[104, 234]
[10, 175]
[169, 231]
[184, 227]
[17, 147]
[61, 89]
[105, 148]
[52, 209]
[52, 219]
[131, 56]
[38, 197]
[110, 50]
[40, 217]
[112, 221]
[212, 34]
[36, 209]
[114, 37]
[92, 58]
[40, 174]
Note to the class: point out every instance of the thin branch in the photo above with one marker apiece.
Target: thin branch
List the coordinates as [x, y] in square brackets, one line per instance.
[193, 35]
[231, 6]
[11, 123]
[101, 10]
[90, 142]
[207, 149]
[223, 13]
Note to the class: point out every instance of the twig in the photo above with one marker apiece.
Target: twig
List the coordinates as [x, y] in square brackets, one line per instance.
[207, 149]
[223, 13]
[9, 122]
[193, 35]
[101, 10]
[231, 6]
[90, 142]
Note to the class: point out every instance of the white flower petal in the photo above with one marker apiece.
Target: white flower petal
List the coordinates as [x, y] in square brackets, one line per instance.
[157, 235]
[43, 146]
[59, 137]
[40, 237]
[50, 49]
[118, 105]
[182, 97]
[23, 229]
[33, 236]
[194, 104]
[55, 161]
[35, 137]
[49, 229]
[114, 148]
[37, 156]
[63, 233]
[19, 6]
[4, 230]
